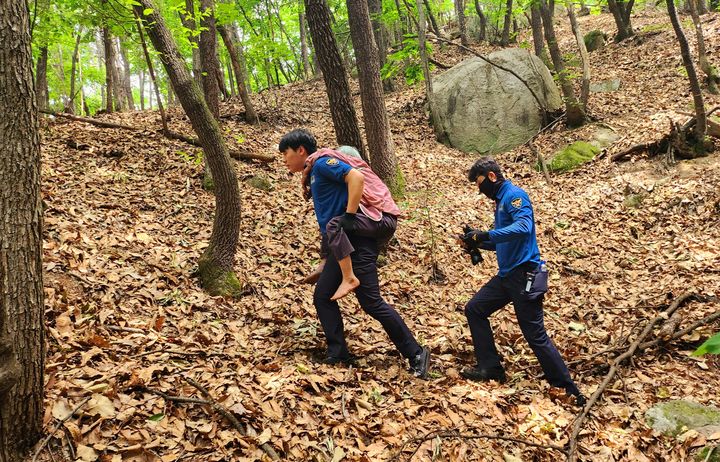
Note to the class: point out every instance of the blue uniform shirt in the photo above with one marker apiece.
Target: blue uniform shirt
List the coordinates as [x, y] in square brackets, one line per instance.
[514, 234]
[329, 191]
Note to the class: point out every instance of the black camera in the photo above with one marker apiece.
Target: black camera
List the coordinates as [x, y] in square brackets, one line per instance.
[471, 246]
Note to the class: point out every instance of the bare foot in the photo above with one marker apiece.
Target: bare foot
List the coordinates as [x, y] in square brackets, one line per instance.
[313, 277]
[345, 288]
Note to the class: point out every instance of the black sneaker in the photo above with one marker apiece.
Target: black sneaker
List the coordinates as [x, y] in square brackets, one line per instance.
[580, 400]
[349, 360]
[479, 374]
[420, 363]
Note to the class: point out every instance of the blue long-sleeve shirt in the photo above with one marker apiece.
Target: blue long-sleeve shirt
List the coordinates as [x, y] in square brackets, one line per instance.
[514, 237]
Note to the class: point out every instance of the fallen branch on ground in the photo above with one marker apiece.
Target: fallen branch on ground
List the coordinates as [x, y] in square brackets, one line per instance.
[169, 134]
[456, 434]
[57, 427]
[210, 401]
[577, 426]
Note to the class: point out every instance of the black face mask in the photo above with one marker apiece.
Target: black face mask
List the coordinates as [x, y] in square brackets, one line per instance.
[489, 188]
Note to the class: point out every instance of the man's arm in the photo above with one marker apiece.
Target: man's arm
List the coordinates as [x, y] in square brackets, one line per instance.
[355, 182]
[521, 212]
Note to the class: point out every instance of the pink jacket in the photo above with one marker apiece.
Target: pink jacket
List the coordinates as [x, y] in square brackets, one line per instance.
[376, 197]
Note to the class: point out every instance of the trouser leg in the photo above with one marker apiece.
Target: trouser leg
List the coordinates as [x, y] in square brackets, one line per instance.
[368, 294]
[339, 243]
[329, 311]
[489, 299]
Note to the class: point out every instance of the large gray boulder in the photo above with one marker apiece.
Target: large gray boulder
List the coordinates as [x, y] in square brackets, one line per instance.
[479, 108]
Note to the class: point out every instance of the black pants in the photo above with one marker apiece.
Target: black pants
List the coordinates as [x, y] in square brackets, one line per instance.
[494, 295]
[368, 294]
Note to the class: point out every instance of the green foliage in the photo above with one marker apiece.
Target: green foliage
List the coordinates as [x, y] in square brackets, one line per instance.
[194, 158]
[711, 346]
[407, 61]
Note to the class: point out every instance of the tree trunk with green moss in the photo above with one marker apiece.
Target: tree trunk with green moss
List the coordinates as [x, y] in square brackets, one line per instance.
[215, 266]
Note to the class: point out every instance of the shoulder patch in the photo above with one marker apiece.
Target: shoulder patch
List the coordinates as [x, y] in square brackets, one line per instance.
[332, 161]
[516, 202]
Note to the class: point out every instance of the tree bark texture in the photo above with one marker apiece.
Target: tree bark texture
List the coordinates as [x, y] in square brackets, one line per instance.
[151, 71]
[109, 66]
[536, 24]
[423, 50]
[431, 16]
[377, 126]
[22, 326]
[505, 38]
[342, 109]
[70, 106]
[711, 73]
[584, 57]
[621, 13]
[483, 20]
[208, 57]
[380, 34]
[226, 224]
[307, 71]
[238, 63]
[188, 21]
[574, 112]
[460, 12]
[700, 115]
[127, 86]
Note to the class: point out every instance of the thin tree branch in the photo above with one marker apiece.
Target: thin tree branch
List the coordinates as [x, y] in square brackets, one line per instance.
[57, 427]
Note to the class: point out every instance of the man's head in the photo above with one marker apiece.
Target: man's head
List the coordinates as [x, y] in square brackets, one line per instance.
[296, 146]
[487, 175]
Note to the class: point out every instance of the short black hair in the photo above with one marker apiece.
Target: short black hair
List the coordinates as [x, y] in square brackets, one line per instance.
[482, 166]
[296, 138]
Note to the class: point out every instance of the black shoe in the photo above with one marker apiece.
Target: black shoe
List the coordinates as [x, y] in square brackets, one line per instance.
[483, 375]
[420, 363]
[349, 360]
[580, 400]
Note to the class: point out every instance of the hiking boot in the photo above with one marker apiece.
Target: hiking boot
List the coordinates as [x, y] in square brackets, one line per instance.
[580, 400]
[480, 374]
[349, 360]
[420, 363]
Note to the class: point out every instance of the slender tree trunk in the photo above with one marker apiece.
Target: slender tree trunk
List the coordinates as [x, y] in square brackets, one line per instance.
[402, 21]
[379, 32]
[423, 50]
[127, 85]
[41, 79]
[231, 76]
[483, 20]
[460, 12]
[585, 58]
[215, 266]
[142, 90]
[118, 78]
[109, 66]
[505, 38]
[100, 47]
[303, 46]
[711, 73]
[22, 325]
[700, 114]
[228, 35]
[536, 23]
[342, 108]
[70, 103]
[621, 13]
[151, 71]
[220, 76]
[188, 21]
[208, 57]
[573, 110]
[431, 16]
[377, 125]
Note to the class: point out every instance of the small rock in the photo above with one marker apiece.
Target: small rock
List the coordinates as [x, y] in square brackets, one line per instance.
[605, 86]
[675, 417]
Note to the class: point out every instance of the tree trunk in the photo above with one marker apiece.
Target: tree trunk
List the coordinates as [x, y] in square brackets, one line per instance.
[711, 73]
[127, 85]
[574, 112]
[342, 109]
[460, 12]
[231, 76]
[505, 39]
[151, 71]
[379, 32]
[377, 126]
[109, 66]
[423, 50]
[22, 325]
[431, 16]
[536, 22]
[215, 266]
[70, 103]
[142, 90]
[585, 85]
[238, 62]
[621, 14]
[700, 114]
[402, 21]
[220, 76]
[208, 57]
[118, 78]
[188, 21]
[483, 21]
[43, 95]
[303, 46]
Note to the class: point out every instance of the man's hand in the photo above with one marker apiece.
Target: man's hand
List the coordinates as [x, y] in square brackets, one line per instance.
[475, 237]
[347, 222]
[306, 182]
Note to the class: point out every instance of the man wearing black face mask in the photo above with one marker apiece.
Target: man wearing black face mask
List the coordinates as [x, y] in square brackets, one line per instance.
[521, 279]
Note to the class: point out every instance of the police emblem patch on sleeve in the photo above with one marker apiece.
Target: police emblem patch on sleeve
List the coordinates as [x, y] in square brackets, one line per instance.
[516, 203]
[332, 161]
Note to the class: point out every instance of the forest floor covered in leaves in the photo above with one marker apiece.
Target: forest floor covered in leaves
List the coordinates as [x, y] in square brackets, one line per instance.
[126, 219]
